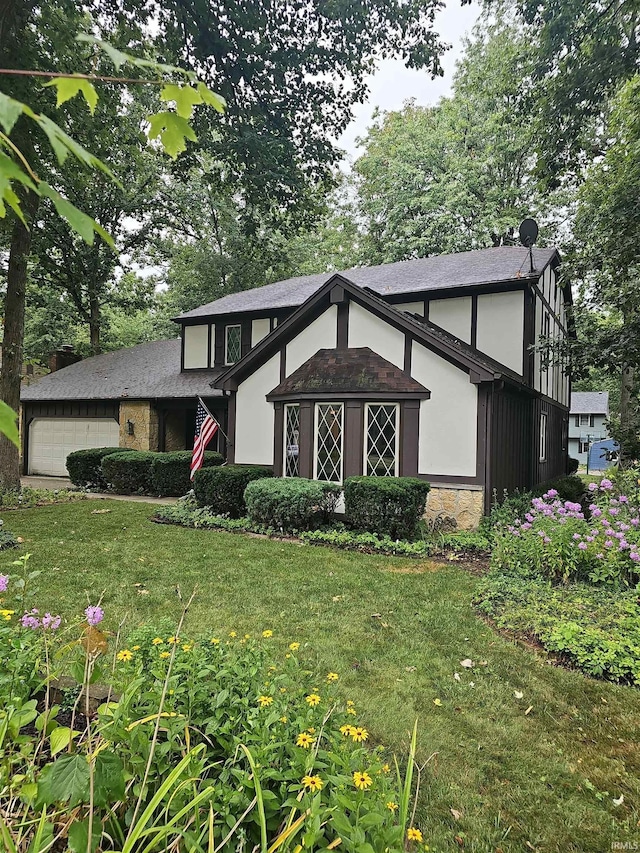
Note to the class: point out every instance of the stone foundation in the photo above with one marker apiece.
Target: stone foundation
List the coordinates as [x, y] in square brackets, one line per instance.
[145, 425]
[464, 506]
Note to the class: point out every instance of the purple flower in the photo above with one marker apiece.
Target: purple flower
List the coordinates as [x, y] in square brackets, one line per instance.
[590, 538]
[51, 622]
[613, 510]
[577, 536]
[596, 511]
[552, 493]
[526, 526]
[600, 556]
[623, 499]
[582, 546]
[30, 620]
[546, 540]
[541, 533]
[619, 535]
[94, 614]
[635, 521]
[606, 484]
[608, 543]
[624, 544]
[529, 517]
[593, 487]
[635, 557]
[4, 582]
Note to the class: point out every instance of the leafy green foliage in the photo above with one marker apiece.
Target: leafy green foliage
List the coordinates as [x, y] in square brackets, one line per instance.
[27, 496]
[221, 490]
[129, 472]
[388, 506]
[85, 467]
[171, 471]
[291, 504]
[9, 423]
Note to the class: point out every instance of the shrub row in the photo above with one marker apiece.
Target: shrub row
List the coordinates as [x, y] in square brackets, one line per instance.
[131, 471]
[222, 489]
[388, 506]
[291, 504]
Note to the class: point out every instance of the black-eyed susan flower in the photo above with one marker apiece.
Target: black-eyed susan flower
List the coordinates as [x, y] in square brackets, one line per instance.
[268, 633]
[347, 729]
[414, 834]
[294, 646]
[392, 806]
[313, 783]
[359, 734]
[125, 655]
[186, 647]
[312, 699]
[172, 641]
[265, 701]
[215, 641]
[164, 655]
[386, 768]
[7, 614]
[135, 648]
[351, 710]
[332, 676]
[362, 780]
[157, 641]
[305, 740]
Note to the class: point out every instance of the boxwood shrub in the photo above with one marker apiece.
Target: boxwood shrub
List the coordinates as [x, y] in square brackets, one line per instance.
[291, 504]
[222, 489]
[170, 471]
[571, 488]
[388, 506]
[129, 472]
[85, 466]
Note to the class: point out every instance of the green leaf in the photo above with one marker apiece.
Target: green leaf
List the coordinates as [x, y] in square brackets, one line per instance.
[172, 130]
[68, 87]
[9, 423]
[185, 97]
[10, 112]
[60, 739]
[78, 835]
[109, 782]
[78, 221]
[116, 56]
[211, 98]
[65, 781]
[63, 145]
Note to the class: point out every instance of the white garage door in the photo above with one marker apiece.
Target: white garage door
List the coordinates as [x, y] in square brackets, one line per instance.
[51, 440]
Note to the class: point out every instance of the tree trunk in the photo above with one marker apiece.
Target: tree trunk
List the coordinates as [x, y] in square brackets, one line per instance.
[627, 420]
[94, 325]
[12, 344]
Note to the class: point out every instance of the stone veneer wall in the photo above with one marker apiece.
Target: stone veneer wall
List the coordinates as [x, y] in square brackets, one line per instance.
[174, 429]
[465, 506]
[145, 420]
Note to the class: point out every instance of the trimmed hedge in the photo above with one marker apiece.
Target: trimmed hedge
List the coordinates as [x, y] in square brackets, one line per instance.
[291, 504]
[572, 465]
[569, 488]
[388, 506]
[85, 466]
[129, 472]
[170, 471]
[222, 489]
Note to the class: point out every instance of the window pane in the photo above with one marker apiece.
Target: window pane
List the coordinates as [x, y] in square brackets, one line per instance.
[381, 440]
[232, 351]
[291, 440]
[329, 442]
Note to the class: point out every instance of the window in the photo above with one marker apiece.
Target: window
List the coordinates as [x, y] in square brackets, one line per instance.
[292, 440]
[577, 420]
[327, 463]
[381, 440]
[592, 420]
[232, 344]
[543, 437]
[583, 446]
[584, 420]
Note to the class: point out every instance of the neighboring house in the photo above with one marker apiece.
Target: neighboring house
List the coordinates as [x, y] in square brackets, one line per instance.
[588, 414]
[422, 368]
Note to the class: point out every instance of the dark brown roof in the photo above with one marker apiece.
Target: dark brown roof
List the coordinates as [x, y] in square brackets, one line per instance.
[439, 272]
[348, 371]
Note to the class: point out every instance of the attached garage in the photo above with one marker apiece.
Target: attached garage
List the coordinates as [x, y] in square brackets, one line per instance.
[51, 440]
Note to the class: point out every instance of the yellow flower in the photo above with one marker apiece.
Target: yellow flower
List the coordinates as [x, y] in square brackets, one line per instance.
[283, 690]
[283, 719]
[314, 783]
[125, 655]
[332, 676]
[287, 655]
[172, 641]
[294, 646]
[392, 806]
[305, 740]
[351, 710]
[7, 614]
[265, 701]
[359, 734]
[232, 634]
[414, 834]
[350, 703]
[135, 648]
[347, 729]
[215, 641]
[386, 768]
[313, 699]
[362, 780]
[157, 641]
[272, 669]
[186, 647]
[247, 636]
[165, 654]
[311, 730]
[268, 633]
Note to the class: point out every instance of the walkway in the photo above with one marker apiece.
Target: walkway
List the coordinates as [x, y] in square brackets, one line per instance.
[64, 483]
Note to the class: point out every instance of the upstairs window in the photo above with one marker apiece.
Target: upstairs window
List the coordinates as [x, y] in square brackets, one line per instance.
[381, 440]
[543, 437]
[584, 420]
[232, 344]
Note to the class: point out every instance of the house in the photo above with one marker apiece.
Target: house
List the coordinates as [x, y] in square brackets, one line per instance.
[423, 368]
[588, 413]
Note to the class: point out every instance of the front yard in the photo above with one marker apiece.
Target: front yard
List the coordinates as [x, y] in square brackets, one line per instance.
[525, 755]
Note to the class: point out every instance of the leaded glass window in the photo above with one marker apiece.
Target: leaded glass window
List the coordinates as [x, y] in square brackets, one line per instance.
[292, 440]
[381, 440]
[232, 344]
[328, 444]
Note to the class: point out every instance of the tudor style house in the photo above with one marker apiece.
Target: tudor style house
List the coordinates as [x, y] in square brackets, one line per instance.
[419, 368]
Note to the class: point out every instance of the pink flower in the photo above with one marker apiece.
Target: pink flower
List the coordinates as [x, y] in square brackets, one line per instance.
[635, 557]
[606, 484]
[552, 493]
[51, 622]
[582, 546]
[623, 499]
[596, 511]
[94, 614]
[30, 620]
[608, 543]
[593, 487]
[4, 582]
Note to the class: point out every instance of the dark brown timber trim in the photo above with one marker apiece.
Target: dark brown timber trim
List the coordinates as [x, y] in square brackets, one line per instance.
[283, 364]
[342, 334]
[278, 439]
[353, 444]
[474, 321]
[408, 344]
[409, 437]
[306, 439]
[231, 429]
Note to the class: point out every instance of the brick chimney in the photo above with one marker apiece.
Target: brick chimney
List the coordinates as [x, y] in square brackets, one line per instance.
[62, 357]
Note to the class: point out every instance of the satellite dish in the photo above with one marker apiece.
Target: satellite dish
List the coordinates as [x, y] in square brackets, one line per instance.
[528, 232]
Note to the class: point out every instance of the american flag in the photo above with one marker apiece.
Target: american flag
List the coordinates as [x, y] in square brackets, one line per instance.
[206, 428]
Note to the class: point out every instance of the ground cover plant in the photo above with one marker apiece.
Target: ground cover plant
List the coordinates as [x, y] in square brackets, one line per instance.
[30, 497]
[525, 753]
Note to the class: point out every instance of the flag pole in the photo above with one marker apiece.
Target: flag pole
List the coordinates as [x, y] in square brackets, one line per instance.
[222, 432]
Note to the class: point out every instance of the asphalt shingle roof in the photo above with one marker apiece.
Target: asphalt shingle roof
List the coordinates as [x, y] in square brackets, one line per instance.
[147, 371]
[589, 403]
[463, 269]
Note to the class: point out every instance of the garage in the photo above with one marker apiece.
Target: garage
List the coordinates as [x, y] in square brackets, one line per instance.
[51, 440]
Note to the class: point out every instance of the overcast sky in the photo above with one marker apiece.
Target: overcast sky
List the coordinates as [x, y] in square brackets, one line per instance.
[393, 83]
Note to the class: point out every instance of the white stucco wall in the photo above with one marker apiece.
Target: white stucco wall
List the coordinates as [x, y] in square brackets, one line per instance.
[448, 421]
[196, 340]
[367, 330]
[453, 315]
[254, 415]
[411, 307]
[321, 334]
[259, 330]
[501, 327]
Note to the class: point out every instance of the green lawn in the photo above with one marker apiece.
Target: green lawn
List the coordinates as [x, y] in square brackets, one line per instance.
[396, 631]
